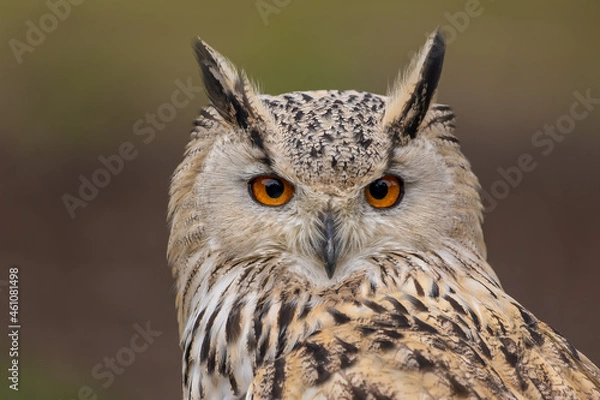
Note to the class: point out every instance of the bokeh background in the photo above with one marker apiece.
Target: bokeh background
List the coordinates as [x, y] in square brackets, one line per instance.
[511, 68]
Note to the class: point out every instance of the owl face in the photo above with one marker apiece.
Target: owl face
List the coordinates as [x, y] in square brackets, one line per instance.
[327, 180]
[325, 199]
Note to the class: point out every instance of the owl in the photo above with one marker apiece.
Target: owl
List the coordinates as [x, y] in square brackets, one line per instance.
[328, 245]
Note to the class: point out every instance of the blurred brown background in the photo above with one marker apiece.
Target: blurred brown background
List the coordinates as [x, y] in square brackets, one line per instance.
[78, 91]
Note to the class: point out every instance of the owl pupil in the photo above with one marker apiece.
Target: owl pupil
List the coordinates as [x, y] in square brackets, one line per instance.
[274, 188]
[378, 189]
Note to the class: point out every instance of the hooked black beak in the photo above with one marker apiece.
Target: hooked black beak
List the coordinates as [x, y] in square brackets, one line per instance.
[328, 245]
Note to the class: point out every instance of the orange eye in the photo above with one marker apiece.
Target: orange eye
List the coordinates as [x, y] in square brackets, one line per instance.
[384, 192]
[271, 190]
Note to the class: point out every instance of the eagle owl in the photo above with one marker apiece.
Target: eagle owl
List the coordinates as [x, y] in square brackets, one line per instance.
[328, 245]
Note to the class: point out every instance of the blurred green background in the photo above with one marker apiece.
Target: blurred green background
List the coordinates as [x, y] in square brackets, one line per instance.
[511, 68]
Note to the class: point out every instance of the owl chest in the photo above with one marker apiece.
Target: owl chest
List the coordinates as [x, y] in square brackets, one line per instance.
[232, 343]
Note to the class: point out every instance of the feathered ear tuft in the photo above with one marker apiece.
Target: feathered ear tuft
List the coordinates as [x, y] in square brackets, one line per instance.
[230, 91]
[414, 90]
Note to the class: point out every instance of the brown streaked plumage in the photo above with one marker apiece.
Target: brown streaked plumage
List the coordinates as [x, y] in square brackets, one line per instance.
[332, 294]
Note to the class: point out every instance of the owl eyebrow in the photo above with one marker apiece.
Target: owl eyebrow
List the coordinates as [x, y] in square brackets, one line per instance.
[257, 140]
[266, 161]
[392, 163]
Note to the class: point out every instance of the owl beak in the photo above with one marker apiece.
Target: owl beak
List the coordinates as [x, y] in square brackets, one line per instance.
[328, 245]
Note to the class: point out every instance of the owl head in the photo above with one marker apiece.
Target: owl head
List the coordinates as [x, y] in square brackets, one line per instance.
[322, 180]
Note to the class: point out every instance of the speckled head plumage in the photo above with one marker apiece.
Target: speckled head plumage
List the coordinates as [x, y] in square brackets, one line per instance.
[255, 282]
[324, 133]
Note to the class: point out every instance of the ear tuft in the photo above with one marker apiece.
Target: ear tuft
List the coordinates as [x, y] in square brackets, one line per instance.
[229, 91]
[414, 90]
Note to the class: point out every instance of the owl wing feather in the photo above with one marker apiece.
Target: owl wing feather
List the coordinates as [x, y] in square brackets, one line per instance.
[404, 347]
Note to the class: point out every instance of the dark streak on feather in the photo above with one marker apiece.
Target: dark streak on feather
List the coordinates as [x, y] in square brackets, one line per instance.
[440, 119]
[424, 363]
[400, 309]
[262, 350]
[423, 326]
[511, 358]
[338, 316]
[222, 369]
[374, 306]
[306, 308]
[204, 350]
[321, 357]
[484, 349]
[392, 334]
[449, 138]
[233, 324]
[475, 318]
[366, 330]
[233, 384]
[417, 304]
[418, 288]
[358, 393]
[349, 348]
[459, 389]
[278, 379]
[384, 344]
[455, 304]
[285, 317]
[400, 321]
[188, 348]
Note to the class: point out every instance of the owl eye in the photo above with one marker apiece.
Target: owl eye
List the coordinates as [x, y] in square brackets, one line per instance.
[271, 190]
[384, 192]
